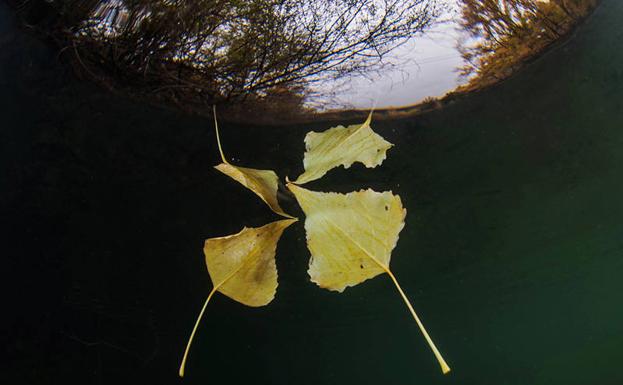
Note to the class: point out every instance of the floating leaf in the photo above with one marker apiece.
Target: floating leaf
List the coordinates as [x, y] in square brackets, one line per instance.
[262, 182]
[342, 146]
[351, 237]
[242, 266]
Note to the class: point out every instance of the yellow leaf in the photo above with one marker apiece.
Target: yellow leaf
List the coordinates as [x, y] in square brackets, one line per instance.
[351, 237]
[342, 146]
[262, 182]
[242, 266]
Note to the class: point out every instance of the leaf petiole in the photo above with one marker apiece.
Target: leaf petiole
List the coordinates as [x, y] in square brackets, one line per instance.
[192, 335]
[444, 366]
[218, 137]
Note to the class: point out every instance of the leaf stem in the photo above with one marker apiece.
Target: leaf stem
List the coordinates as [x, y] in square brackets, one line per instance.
[218, 137]
[192, 335]
[444, 366]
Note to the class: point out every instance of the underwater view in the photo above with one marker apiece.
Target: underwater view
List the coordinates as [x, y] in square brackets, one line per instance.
[176, 209]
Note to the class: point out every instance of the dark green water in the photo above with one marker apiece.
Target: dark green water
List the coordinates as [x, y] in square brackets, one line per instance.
[512, 253]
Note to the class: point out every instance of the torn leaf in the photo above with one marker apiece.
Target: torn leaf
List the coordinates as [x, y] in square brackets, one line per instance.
[242, 266]
[351, 237]
[264, 183]
[342, 146]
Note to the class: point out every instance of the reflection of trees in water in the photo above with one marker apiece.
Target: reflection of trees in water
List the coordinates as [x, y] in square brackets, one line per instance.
[215, 51]
[505, 33]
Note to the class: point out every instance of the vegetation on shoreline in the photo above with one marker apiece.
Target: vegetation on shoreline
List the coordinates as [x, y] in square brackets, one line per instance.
[504, 34]
[139, 49]
[226, 52]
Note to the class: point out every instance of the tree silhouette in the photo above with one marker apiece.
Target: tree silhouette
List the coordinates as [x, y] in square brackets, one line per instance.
[214, 51]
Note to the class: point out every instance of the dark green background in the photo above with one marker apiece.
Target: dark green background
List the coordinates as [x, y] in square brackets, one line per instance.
[512, 252]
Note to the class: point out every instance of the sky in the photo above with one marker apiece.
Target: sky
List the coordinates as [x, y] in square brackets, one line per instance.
[429, 69]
